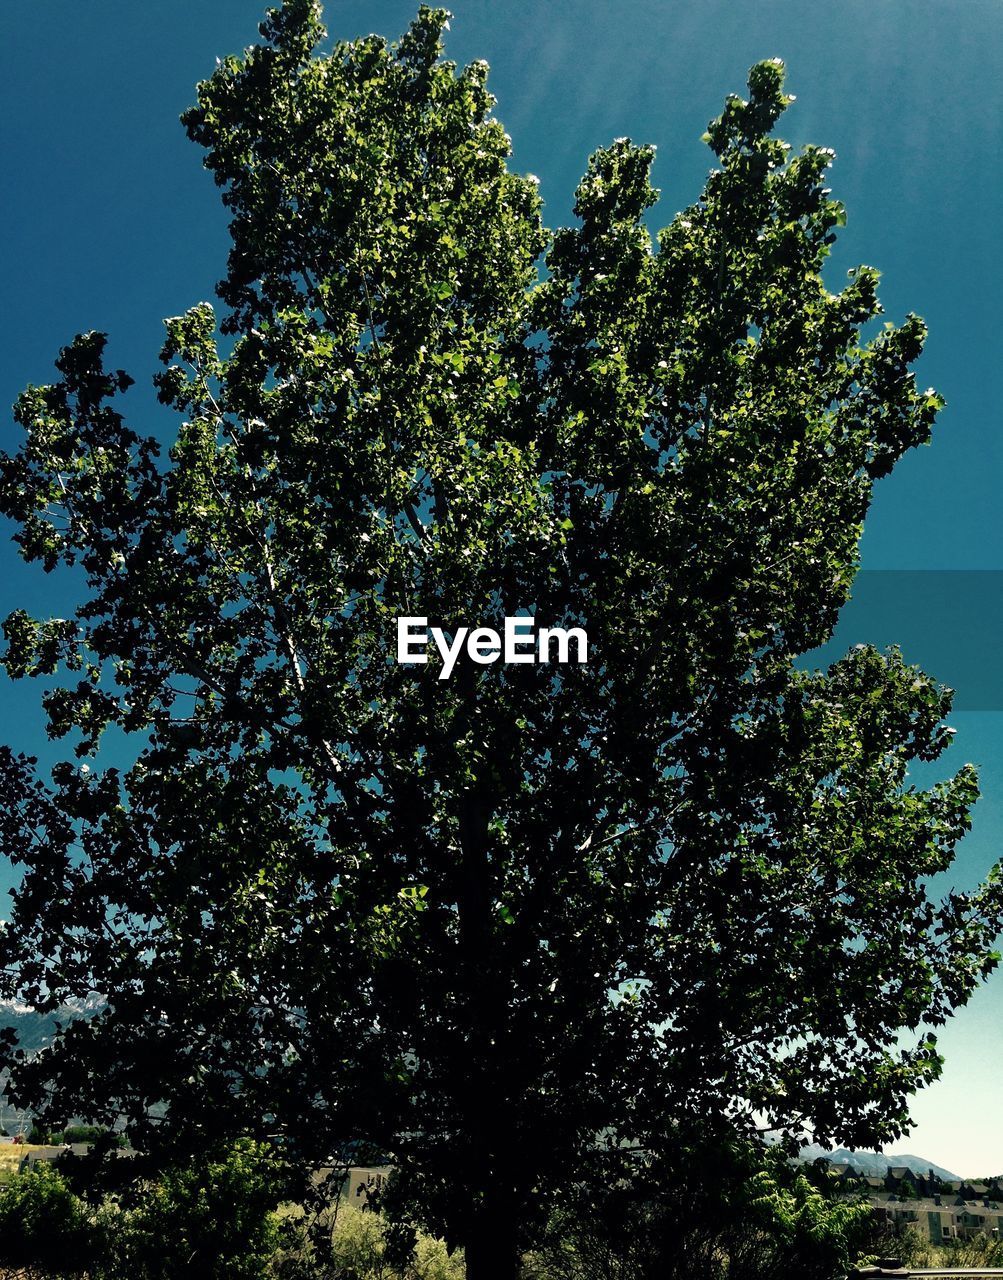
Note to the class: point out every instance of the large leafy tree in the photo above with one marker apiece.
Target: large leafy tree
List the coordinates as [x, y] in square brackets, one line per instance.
[510, 927]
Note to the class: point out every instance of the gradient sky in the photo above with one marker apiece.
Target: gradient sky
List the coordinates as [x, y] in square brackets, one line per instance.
[108, 222]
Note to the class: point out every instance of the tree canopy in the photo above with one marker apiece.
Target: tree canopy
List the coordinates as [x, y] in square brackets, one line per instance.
[511, 929]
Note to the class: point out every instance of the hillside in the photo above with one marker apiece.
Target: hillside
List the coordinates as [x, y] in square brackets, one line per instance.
[35, 1030]
[874, 1163]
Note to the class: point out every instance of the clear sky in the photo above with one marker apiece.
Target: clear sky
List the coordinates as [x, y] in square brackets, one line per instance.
[108, 222]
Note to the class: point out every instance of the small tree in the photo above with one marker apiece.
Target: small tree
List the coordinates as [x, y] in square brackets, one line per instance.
[510, 927]
[42, 1223]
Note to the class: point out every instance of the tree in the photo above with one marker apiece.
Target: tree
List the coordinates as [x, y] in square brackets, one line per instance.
[528, 923]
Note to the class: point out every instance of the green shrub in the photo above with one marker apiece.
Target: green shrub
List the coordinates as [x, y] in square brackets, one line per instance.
[43, 1223]
[360, 1248]
[213, 1218]
[730, 1212]
[794, 1230]
[358, 1244]
[82, 1132]
[915, 1250]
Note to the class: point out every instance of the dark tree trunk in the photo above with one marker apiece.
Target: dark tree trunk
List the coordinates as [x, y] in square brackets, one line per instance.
[492, 1228]
[491, 1252]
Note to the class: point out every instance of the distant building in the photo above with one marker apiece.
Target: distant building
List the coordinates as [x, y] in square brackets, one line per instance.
[55, 1152]
[902, 1180]
[361, 1183]
[357, 1183]
[943, 1217]
[48, 1153]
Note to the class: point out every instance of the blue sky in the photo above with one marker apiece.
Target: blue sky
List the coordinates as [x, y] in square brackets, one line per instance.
[109, 222]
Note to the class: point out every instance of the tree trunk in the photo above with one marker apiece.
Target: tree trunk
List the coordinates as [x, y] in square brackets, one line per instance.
[492, 1230]
[491, 1252]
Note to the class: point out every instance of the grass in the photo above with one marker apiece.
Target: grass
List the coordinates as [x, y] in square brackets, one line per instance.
[11, 1155]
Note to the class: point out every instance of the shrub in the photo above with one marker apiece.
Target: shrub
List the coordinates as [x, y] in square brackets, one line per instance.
[361, 1248]
[360, 1244]
[214, 1217]
[43, 1223]
[83, 1133]
[730, 1212]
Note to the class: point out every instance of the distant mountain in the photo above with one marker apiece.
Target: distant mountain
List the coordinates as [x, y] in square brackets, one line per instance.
[36, 1030]
[872, 1164]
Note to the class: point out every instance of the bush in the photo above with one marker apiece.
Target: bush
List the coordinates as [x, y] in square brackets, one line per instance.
[915, 1250]
[361, 1248]
[728, 1212]
[795, 1231]
[213, 1218]
[42, 1223]
[87, 1133]
[360, 1244]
